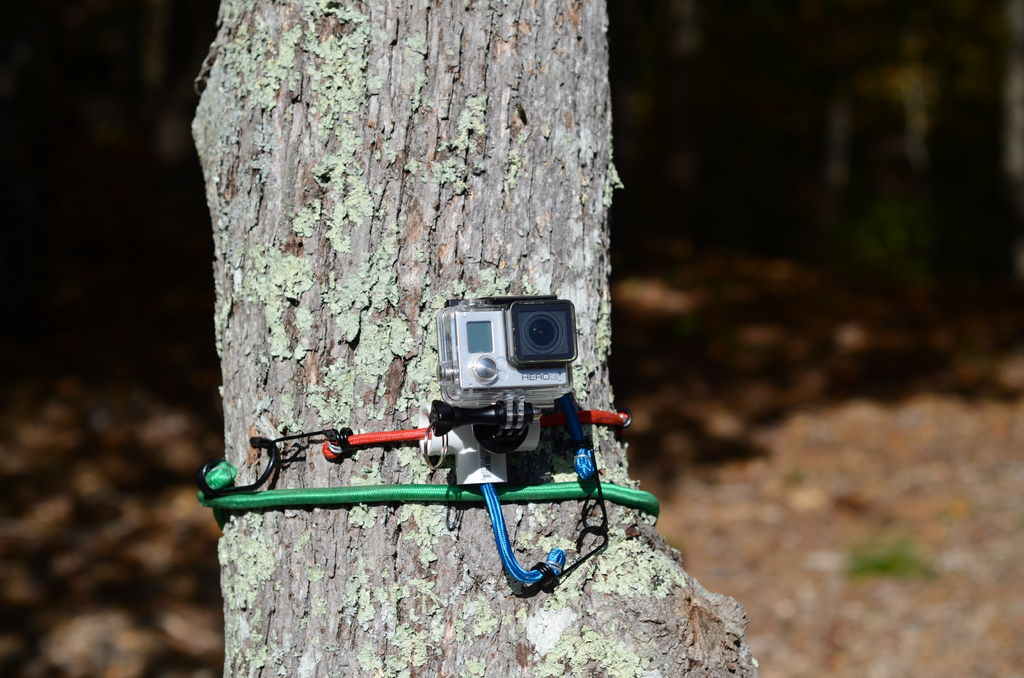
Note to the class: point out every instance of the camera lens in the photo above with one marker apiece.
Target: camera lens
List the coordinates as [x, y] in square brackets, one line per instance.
[542, 332]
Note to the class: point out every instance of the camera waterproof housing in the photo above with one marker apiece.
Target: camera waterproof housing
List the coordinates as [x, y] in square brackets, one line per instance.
[501, 361]
[506, 348]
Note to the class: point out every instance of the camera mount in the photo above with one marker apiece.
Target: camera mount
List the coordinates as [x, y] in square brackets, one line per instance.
[478, 438]
[511, 415]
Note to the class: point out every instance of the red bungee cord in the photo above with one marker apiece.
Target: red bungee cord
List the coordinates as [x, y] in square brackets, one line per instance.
[334, 451]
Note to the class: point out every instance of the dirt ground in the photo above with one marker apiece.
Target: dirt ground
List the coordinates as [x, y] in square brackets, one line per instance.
[845, 462]
[842, 458]
[870, 540]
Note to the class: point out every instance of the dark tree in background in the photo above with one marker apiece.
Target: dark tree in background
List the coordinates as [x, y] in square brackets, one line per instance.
[1013, 124]
[103, 246]
[838, 132]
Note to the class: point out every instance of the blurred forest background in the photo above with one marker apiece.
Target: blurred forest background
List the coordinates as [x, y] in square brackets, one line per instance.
[817, 325]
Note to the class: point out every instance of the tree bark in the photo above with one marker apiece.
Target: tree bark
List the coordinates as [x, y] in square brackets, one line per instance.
[364, 162]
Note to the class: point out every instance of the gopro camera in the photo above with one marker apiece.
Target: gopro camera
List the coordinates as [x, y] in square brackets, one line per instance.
[506, 348]
[501, 361]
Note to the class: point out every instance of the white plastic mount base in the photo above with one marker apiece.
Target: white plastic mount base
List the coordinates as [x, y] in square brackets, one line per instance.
[473, 464]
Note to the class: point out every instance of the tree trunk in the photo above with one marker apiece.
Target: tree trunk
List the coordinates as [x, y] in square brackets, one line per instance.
[364, 162]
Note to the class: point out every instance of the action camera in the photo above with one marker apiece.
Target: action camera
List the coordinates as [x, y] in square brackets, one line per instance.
[502, 348]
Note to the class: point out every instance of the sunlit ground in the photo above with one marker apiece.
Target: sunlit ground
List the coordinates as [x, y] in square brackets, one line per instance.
[843, 460]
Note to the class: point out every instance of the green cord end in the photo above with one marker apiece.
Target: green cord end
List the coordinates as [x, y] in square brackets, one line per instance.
[222, 475]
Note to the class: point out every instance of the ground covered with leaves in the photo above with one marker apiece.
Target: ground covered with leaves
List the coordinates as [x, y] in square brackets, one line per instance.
[870, 540]
[108, 565]
[841, 457]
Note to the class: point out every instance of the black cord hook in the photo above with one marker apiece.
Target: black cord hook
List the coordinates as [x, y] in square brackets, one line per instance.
[259, 443]
[601, 529]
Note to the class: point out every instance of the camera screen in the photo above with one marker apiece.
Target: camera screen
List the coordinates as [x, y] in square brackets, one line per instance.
[478, 337]
[543, 333]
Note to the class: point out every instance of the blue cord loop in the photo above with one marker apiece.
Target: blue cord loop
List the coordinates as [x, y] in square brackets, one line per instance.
[556, 561]
[584, 463]
[586, 467]
[584, 459]
[550, 568]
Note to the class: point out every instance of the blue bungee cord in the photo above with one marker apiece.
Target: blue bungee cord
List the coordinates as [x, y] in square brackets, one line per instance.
[584, 459]
[585, 466]
[551, 567]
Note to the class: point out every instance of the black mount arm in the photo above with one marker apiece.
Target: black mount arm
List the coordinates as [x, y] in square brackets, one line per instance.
[444, 416]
